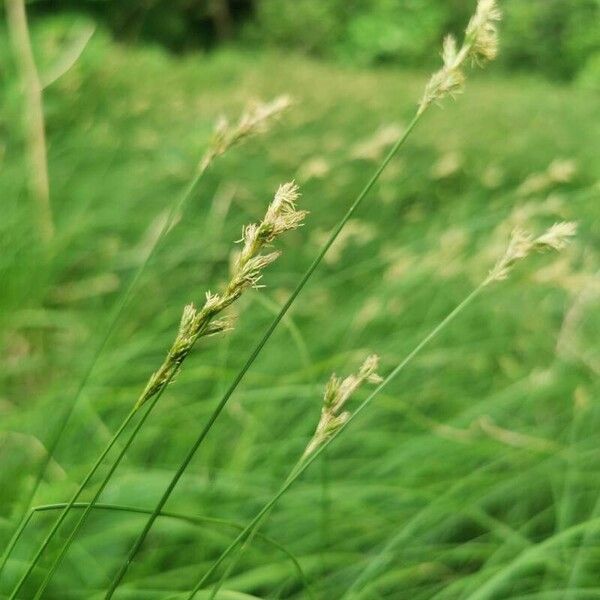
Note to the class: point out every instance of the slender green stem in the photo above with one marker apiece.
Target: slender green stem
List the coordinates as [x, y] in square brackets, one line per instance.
[246, 543]
[108, 330]
[192, 519]
[83, 518]
[74, 498]
[255, 352]
[15, 538]
[299, 469]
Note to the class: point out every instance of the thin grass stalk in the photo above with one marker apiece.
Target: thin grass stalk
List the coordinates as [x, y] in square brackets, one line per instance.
[247, 541]
[112, 323]
[224, 138]
[254, 119]
[69, 504]
[192, 519]
[254, 354]
[16, 536]
[86, 512]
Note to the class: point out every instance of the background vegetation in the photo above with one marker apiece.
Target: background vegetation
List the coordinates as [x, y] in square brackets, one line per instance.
[556, 38]
[476, 474]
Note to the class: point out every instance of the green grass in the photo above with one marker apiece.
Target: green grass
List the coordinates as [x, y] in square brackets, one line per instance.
[417, 498]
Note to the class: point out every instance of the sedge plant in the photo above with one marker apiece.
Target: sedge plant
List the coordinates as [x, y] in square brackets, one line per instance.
[253, 120]
[335, 417]
[479, 45]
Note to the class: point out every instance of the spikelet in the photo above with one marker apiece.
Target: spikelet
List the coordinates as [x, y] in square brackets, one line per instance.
[480, 45]
[337, 393]
[281, 216]
[254, 119]
[522, 244]
[482, 35]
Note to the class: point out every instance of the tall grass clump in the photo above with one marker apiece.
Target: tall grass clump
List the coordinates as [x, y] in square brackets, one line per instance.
[193, 324]
[478, 46]
[255, 119]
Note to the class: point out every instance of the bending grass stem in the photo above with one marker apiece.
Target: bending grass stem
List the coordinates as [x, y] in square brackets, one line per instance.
[299, 469]
[256, 351]
[192, 519]
[63, 514]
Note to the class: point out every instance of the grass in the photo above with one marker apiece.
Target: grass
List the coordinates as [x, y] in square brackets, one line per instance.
[472, 476]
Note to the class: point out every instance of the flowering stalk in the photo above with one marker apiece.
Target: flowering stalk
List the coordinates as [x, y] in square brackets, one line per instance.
[333, 416]
[520, 245]
[280, 217]
[332, 425]
[480, 45]
[523, 243]
[337, 393]
[253, 120]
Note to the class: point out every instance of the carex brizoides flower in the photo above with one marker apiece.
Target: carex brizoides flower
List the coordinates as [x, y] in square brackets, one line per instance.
[480, 45]
[522, 244]
[255, 119]
[337, 393]
[281, 216]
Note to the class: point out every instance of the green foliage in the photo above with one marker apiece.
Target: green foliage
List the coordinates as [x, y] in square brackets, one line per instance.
[310, 26]
[555, 38]
[552, 37]
[475, 475]
[386, 30]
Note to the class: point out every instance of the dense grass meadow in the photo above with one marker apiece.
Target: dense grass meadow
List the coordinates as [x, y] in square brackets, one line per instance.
[474, 475]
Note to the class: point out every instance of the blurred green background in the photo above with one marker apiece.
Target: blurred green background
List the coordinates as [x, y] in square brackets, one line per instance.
[556, 38]
[476, 474]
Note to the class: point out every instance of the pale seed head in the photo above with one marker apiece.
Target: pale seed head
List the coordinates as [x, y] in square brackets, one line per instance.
[522, 244]
[337, 392]
[480, 44]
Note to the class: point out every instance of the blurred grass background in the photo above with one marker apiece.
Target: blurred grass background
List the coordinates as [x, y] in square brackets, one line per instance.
[476, 474]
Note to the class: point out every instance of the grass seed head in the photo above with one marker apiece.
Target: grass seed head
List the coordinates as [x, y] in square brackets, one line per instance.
[480, 45]
[482, 34]
[336, 395]
[247, 271]
[523, 243]
[255, 119]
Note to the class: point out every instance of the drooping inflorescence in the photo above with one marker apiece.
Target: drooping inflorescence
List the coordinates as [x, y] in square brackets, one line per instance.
[480, 45]
[337, 393]
[255, 119]
[523, 243]
[281, 216]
